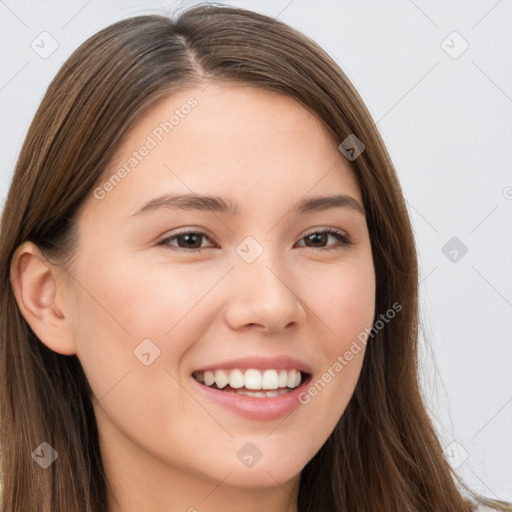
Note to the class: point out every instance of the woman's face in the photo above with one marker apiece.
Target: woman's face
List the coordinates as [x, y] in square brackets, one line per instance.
[268, 290]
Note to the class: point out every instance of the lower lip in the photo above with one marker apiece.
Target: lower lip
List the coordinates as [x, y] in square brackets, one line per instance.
[254, 408]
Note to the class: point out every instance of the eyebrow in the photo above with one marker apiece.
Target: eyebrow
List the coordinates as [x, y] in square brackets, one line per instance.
[218, 204]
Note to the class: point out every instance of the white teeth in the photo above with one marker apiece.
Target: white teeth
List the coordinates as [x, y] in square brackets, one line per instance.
[236, 379]
[209, 378]
[221, 378]
[291, 379]
[269, 380]
[260, 394]
[251, 379]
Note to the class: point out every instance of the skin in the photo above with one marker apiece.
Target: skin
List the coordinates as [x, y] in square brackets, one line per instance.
[165, 447]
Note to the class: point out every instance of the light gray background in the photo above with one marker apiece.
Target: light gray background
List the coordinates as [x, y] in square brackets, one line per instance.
[446, 122]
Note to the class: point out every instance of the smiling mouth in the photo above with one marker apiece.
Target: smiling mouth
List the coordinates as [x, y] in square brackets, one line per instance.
[252, 382]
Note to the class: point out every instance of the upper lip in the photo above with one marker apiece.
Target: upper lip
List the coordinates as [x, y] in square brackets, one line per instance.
[280, 362]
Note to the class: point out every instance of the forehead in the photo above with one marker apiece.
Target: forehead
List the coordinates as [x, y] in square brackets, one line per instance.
[229, 139]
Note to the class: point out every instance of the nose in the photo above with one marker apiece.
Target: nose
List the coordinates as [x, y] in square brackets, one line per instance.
[264, 297]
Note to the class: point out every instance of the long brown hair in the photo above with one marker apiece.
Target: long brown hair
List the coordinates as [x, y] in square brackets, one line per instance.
[384, 453]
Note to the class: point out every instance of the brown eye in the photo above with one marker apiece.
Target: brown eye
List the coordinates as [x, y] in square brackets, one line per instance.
[189, 241]
[317, 239]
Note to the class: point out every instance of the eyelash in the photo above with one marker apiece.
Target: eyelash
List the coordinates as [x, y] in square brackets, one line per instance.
[343, 237]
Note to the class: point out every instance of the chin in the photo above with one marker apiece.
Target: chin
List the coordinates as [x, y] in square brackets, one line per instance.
[262, 477]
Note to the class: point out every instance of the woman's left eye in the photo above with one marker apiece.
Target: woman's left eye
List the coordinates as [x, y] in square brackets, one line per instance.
[321, 236]
[188, 238]
[190, 241]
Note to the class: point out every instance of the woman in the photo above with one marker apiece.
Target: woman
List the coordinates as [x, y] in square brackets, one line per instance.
[143, 369]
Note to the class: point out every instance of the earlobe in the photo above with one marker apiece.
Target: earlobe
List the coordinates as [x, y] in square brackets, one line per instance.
[36, 290]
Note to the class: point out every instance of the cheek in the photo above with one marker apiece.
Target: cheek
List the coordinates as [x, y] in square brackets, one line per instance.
[122, 304]
[143, 300]
[346, 307]
[343, 299]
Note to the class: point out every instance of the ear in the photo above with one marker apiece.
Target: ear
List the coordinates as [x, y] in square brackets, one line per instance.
[38, 293]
